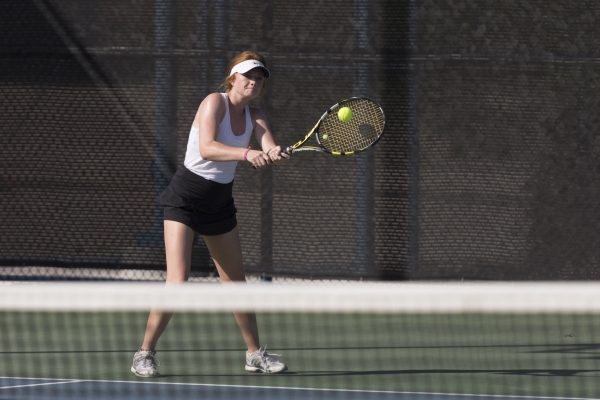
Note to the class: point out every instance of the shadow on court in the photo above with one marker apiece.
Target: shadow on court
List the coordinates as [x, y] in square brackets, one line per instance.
[523, 372]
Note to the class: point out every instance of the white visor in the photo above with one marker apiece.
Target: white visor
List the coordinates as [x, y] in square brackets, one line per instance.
[247, 65]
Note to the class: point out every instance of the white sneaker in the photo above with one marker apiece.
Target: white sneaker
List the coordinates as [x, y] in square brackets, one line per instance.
[261, 361]
[145, 363]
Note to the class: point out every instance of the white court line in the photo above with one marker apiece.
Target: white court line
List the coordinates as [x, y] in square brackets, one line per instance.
[35, 384]
[306, 389]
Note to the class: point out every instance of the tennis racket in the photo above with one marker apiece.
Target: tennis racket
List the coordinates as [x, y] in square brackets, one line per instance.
[340, 138]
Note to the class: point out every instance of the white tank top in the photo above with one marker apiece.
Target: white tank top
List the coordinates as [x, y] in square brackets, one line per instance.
[218, 171]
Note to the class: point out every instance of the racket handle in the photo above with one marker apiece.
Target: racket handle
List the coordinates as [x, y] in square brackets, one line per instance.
[287, 150]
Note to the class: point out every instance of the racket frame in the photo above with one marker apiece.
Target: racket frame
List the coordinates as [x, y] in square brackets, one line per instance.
[298, 146]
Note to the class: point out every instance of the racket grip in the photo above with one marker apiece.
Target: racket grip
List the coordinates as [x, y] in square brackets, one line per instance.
[288, 150]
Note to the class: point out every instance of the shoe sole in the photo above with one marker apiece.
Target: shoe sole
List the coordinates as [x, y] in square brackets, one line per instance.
[144, 376]
[259, 370]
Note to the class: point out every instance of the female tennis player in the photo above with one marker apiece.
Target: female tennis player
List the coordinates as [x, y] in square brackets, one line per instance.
[199, 199]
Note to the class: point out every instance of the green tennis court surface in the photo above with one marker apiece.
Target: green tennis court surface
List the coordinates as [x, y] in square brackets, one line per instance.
[477, 354]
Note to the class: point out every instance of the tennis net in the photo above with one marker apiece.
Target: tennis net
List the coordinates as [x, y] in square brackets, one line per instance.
[355, 341]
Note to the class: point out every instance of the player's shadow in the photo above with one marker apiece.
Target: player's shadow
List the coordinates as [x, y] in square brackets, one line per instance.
[587, 350]
[404, 372]
[522, 372]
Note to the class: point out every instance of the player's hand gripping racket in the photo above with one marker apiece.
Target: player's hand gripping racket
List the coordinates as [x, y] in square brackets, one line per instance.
[349, 127]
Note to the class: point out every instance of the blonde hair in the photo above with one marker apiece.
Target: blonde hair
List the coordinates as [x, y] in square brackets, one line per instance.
[226, 84]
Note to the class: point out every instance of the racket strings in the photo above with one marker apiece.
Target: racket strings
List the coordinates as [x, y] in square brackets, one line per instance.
[365, 127]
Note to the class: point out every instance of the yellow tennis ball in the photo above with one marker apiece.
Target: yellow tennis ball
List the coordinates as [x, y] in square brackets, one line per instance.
[345, 114]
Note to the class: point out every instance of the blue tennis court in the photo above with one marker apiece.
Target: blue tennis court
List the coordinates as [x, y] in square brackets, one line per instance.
[70, 389]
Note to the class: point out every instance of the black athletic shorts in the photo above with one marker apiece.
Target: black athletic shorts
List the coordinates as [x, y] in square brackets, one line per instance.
[205, 206]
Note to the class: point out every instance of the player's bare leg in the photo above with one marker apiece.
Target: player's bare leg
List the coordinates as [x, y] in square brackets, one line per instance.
[226, 251]
[179, 239]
